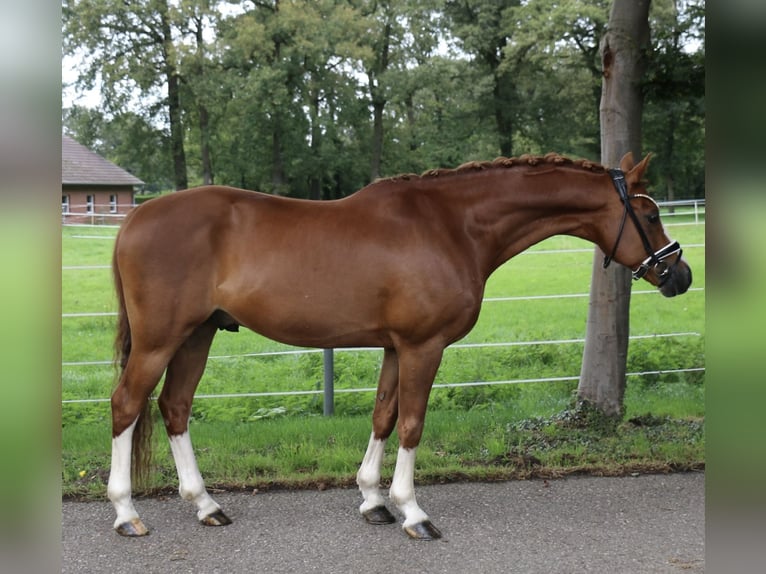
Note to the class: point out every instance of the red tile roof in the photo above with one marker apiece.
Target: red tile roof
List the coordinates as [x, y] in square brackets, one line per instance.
[80, 165]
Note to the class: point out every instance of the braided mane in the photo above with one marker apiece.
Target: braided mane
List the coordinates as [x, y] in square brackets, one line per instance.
[550, 159]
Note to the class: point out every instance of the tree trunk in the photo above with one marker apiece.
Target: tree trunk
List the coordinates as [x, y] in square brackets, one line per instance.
[176, 132]
[174, 103]
[377, 94]
[377, 138]
[204, 129]
[602, 378]
[503, 102]
[204, 118]
[315, 177]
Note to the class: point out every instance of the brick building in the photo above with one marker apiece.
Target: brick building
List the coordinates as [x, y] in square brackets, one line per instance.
[93, 189]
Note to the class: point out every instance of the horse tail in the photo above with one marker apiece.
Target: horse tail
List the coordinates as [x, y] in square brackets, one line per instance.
[142, 432]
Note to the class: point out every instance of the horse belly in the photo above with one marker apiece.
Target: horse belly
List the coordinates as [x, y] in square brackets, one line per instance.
[299, 314]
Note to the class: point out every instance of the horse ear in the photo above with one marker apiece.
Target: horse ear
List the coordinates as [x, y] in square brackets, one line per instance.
[641, 167]
[626, 163]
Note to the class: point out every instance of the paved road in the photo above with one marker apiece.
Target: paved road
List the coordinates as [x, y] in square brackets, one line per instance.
[652, 523]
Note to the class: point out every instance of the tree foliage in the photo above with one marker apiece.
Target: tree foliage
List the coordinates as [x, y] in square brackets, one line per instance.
[316, 98]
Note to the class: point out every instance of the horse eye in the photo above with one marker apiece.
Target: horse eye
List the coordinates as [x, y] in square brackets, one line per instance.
[653, 218]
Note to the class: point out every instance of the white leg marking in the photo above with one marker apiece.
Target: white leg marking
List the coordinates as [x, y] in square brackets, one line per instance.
[119, 487]
[368, 477]
[190, 483]
[402, 490]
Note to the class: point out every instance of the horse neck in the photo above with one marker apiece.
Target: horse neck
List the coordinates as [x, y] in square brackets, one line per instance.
[509, 210]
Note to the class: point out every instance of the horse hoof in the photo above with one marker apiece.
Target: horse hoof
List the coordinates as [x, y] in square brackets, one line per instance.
[217, 518]
[378, 515]
[423, 531]
[133, 528]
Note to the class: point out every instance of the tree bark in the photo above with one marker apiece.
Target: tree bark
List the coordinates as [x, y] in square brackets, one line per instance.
[204, 130]
[278, 177]
[379, 101]
[315, 177]
[602, 378]
[174, 102]
[503, 102]
[204, 118]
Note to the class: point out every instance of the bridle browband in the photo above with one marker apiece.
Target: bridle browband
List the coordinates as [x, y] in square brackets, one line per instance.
[655, 259]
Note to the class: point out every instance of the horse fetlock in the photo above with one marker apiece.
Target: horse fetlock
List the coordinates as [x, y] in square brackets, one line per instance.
[194, 493]
[204, 503]
[117, 494]
[367, 479]
[372, 499]
[413, 514]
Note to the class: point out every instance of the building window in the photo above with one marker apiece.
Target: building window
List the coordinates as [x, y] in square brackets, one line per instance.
[90, 204]
[113, 203]
[64, 204]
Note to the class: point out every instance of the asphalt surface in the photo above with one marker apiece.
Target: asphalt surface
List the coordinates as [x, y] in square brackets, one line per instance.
[652, 523]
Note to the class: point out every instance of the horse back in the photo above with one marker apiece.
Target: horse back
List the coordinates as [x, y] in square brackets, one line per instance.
[335, 273]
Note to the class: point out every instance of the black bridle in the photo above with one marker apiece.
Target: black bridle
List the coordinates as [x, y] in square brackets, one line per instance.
[655, 259]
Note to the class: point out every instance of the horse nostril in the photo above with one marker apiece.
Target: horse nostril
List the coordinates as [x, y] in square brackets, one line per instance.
[676, 281]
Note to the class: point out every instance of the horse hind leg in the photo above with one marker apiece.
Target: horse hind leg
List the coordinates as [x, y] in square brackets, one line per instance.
[373, 508]
[184, 373]
[130, 398]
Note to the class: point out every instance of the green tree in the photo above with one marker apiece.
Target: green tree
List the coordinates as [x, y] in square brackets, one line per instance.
[200, 80]
[484, 32]
[85, 125]
[328, 44]
[290, 67]
[262, 102]
[436, 117]
[557, 71]
[130, 48]
[399, 36]
[674, 119]
[316, 98]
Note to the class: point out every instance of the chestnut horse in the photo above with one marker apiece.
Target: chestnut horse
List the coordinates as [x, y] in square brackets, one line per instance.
[400, 265]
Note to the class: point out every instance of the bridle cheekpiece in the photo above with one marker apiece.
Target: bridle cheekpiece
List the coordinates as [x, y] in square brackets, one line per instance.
[655, 259]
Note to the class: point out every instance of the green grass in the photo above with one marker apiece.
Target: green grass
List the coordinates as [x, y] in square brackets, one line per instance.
[500, 441]
[473, 432]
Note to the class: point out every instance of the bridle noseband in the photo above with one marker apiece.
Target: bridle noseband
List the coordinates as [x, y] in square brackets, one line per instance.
[655, 259]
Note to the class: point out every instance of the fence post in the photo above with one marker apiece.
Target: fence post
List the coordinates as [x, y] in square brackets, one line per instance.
[329, 382]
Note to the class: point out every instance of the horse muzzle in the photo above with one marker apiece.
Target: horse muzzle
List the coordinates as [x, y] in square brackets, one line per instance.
[676, 279]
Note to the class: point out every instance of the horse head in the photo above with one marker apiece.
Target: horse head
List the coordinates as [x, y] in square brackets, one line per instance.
[643, 245]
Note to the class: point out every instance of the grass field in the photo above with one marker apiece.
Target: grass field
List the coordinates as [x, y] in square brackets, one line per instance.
[480, 432]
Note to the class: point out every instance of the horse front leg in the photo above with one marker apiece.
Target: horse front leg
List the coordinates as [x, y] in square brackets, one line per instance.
[417, 369]
[373, 508]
